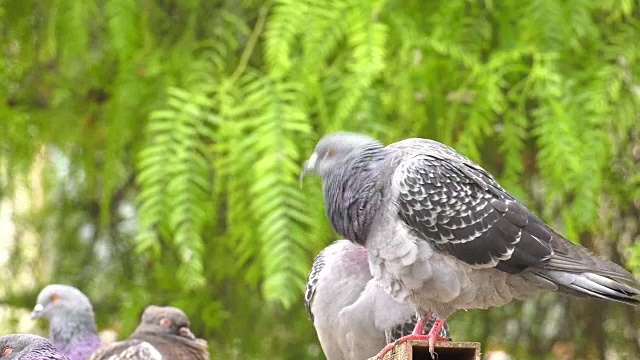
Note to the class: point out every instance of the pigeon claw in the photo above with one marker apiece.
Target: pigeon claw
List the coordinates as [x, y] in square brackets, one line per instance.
[393, 345]
[417, 334]
[433, 337]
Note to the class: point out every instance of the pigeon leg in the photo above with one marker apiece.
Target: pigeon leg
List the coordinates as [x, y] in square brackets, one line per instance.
[417, 334]
[434, 335]
[419, 329]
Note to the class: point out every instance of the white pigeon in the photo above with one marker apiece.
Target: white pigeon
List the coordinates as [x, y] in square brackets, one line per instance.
[353, 316]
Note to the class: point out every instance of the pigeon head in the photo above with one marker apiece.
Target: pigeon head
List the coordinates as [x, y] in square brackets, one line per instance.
[60, 302]
[15, 346]
[23, 346]
[165, 320]
[332, 149]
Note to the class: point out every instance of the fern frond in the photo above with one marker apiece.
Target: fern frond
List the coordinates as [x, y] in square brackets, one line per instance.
[277, 202]
[573, 146]
[591, 106]
[234, 159]
[514, 134]
[124, 33]
[287, 21]
[175, 183]
[367, 40]
[217, 57]
[547, 23]
[324, 30]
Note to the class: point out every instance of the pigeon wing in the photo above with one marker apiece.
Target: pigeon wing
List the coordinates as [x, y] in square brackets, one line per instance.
[457, 207]
[128, 349]
[178, 348]
[142, 351]
[312, 282]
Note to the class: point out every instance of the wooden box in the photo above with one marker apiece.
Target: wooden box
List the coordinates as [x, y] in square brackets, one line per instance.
[445, 350]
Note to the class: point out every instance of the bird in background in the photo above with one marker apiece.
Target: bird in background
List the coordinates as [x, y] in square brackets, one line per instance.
[442, 234]
[28, 347]
[353, 316]
[163, 333]
[72, 325]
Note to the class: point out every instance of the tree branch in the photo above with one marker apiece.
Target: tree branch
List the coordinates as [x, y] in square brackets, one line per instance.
[253, 39]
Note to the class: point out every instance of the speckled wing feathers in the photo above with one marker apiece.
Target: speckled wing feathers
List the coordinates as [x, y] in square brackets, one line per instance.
[149, 347]
[178, 348]
[140, 351]
[114, 351]
[144, 350]
[312, 282]
[47, 352]
[461, 210]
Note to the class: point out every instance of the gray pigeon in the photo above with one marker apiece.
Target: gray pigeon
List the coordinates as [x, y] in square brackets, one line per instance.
[72, 325]
[353, 316]
[163, 334]
[28, 347]
[444, 235]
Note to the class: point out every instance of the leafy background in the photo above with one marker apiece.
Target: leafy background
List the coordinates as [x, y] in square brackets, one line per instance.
[150, 150]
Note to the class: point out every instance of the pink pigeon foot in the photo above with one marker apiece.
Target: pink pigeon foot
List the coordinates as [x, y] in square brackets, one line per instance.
[431, 337]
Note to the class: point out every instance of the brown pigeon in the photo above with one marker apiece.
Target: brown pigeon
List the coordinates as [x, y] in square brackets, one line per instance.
[163, 334]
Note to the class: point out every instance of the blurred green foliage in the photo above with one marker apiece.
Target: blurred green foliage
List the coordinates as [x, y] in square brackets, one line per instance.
[150, 149]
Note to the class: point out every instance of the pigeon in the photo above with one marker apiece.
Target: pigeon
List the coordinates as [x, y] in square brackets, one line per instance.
[28, 347]
[72, 325]
[442, 234]
[162, 334]
[353, 316]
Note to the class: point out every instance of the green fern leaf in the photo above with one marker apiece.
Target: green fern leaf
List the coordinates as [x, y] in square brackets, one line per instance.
[123, 28]
[174, 180]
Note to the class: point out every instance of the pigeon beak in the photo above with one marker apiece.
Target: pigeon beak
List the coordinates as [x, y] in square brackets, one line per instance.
[309, 166]
[37, 311]
[186, 332]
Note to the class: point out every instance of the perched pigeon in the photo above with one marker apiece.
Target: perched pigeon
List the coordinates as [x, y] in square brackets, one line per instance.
[28, 347]
[443, 234]
[72, 325]
[162, 334]
[353, 316]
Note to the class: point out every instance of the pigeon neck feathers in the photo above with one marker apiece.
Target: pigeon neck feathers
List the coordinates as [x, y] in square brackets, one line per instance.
[175, 344]
[74, 334]
[352, 201]
[72, 326]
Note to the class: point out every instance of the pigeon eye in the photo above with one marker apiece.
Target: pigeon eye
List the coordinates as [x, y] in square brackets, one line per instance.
[164, 322]
[330, 153]
[54, 298]
[6, 351]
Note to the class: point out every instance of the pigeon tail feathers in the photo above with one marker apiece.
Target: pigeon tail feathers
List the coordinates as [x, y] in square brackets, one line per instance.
[592, 285]
[576, 271]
